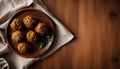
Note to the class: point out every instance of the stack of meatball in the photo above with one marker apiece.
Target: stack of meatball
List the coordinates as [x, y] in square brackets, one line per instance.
[21, 38]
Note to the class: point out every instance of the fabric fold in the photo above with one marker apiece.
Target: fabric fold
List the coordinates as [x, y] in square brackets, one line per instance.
[3, 64]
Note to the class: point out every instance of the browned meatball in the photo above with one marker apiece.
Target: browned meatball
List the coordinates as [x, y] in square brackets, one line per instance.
[41, 29]
[31, 36]
[23, 47]
[17, 36]
[28, 21]
[16, 24]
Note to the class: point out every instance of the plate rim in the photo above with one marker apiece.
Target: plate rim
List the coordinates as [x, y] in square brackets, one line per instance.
[6, 33]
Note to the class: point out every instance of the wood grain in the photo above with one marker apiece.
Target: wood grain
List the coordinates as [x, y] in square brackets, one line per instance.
[96, 26]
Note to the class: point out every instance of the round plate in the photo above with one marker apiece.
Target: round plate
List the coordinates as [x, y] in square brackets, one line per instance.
[39, 15]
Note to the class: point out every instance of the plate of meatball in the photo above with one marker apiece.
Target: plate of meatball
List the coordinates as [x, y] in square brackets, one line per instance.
[30, 32]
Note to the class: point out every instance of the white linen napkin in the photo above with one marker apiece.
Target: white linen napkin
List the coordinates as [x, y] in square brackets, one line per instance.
[7, 7]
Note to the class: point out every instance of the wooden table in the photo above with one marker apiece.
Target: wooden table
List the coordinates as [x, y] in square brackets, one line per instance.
[96, 26]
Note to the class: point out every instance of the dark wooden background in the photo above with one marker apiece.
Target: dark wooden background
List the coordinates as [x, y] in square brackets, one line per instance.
[96, 26]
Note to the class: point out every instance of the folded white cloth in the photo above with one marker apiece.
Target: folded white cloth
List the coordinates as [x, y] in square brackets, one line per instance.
[3, 64]
[7, 8]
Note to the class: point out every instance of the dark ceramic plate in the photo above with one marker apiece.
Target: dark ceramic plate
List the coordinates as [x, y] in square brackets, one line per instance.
[43, 18]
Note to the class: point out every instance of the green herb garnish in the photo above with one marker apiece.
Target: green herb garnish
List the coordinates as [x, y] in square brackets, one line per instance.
[42, 44]
[48, 37]
[44, 40]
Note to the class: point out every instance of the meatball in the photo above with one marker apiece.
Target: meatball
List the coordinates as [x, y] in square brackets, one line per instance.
[31, 36]
[17, 36]
[23, 47]
[16, 24]
[28, 21]
[41, 29]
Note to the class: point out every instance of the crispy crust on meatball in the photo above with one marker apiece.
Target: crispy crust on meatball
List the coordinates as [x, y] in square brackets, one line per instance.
[31, 36]
[23, 47]
[28, 21]
[16, 24]
[41, 29]
[17, 36]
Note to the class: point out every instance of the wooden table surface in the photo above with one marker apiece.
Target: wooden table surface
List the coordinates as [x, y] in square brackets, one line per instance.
[96, 26]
